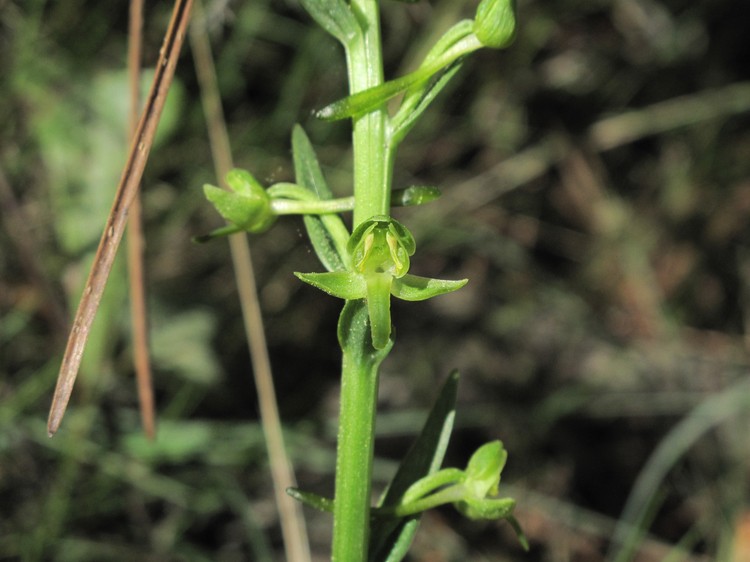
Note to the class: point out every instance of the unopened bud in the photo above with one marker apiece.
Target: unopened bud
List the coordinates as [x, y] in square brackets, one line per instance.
[495, 23]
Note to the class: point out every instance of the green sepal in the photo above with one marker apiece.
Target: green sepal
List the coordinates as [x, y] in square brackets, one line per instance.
[248, 208]
[519, 532]
[379, 307]
[484, 469]
[243, 183]
[217, 233]
[495, 23]
[416, 288]
[311, 500]
[482, 479]
[345, 285]
[336, 17]
[486, 508]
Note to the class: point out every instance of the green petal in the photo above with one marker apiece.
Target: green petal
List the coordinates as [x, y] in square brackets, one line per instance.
[342, 284]
[416, 288]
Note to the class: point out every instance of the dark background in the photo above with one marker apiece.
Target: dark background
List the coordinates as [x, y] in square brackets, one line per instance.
[596, 187]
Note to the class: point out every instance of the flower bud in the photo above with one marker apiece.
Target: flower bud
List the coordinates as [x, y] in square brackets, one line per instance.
[247, 205]
[495, 23]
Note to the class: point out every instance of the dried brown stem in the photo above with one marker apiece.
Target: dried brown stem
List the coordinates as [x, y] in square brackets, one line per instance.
[138, 309]
[115, 225]
[292, 521]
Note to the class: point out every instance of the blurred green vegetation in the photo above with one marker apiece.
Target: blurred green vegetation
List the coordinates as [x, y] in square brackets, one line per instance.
[596, 193]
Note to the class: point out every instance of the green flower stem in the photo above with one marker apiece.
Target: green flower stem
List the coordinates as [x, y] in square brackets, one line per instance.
[312, 207]
[359, 389]
[448, 495]
[372, 163]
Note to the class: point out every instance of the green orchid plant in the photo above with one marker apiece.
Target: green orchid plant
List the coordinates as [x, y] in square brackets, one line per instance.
[368, 266]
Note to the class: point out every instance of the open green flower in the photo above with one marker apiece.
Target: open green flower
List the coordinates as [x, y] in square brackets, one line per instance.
[379, 250]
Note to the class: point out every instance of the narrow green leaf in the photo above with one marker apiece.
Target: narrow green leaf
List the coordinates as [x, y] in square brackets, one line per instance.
[410, 111]
[416, 288]
[327, 233]
[311, 500]
[306, 166]
[390, 538]
[403, 536]
[419, 97]
[370, 99]
[335, 17]
[373, 98]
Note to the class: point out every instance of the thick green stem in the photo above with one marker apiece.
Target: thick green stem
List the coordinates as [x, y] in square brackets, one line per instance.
[359, 390]
[372, 164]
[359, 386]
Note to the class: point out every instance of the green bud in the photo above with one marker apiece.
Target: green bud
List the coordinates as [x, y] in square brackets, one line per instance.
[415, 195]
[246, 206]
[495, 23]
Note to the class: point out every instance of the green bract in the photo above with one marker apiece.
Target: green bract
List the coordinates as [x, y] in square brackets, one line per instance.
[379, 251]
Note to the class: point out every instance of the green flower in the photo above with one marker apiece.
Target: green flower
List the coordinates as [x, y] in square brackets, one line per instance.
[481, 481]
[472, 491]
[379, 251]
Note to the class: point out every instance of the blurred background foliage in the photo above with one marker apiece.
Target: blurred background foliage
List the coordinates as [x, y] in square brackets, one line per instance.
[596, 187]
